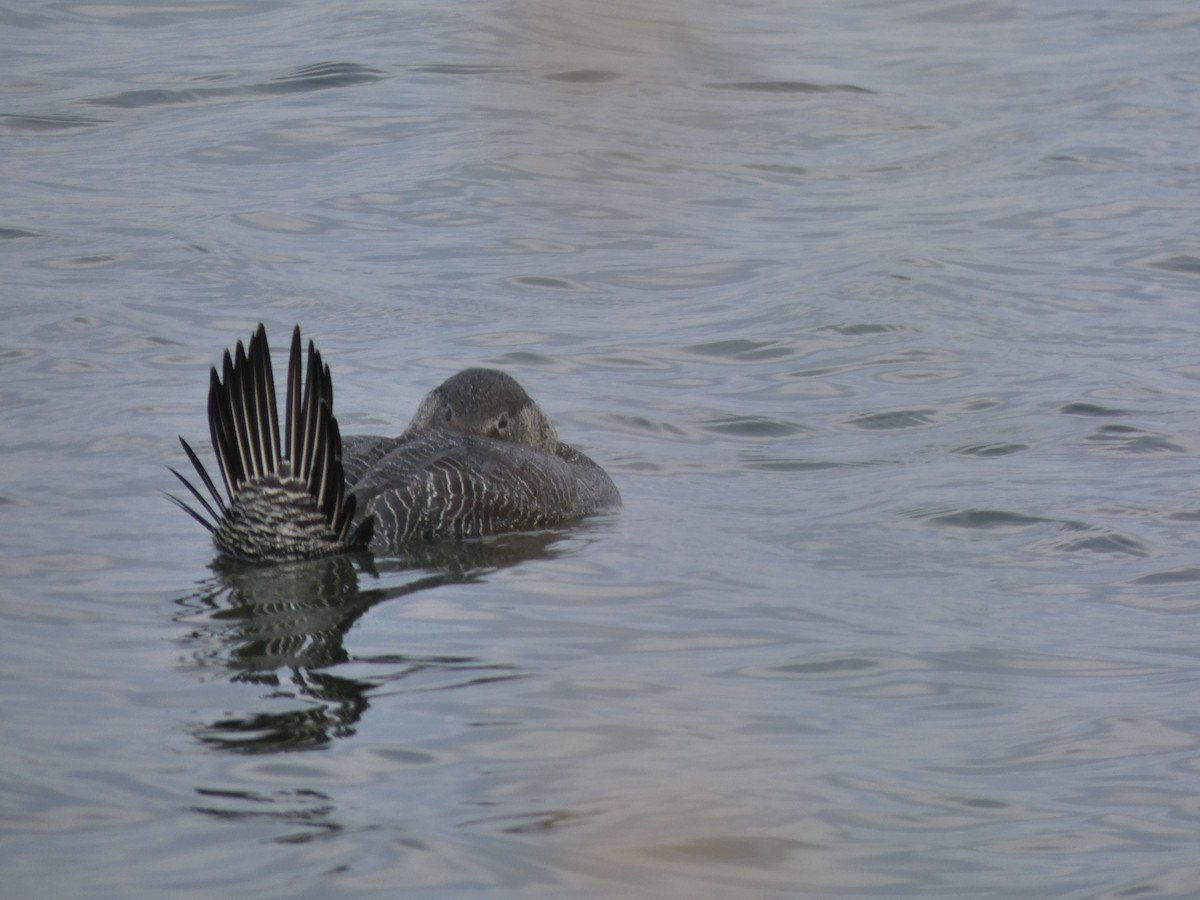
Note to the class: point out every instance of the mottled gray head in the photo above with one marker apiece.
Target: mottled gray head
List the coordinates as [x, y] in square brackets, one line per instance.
[489, 402]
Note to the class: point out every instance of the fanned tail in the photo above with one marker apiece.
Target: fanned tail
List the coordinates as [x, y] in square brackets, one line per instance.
[281, 503]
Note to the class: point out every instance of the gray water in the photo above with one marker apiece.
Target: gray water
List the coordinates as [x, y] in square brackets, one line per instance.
[883, 316]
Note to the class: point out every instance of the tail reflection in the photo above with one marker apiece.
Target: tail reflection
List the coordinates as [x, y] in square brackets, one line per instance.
[283, 626]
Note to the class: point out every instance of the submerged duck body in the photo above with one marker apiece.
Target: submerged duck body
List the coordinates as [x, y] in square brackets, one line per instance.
[479, 457]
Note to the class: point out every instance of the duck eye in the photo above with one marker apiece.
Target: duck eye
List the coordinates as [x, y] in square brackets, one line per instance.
[502, 422]
[449, 415]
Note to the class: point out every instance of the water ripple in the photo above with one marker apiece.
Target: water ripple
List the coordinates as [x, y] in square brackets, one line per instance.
[318, 76]
[48, 123]
[787, 87]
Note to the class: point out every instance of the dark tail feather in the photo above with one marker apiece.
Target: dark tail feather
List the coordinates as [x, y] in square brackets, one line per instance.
[187, 509]
[292, 419]
[283, 503]
[208, 482]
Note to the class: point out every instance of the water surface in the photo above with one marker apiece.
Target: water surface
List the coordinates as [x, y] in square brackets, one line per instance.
[883, 317]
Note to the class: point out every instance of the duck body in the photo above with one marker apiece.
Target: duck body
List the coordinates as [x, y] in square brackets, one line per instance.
[439, 483]
[478, 458]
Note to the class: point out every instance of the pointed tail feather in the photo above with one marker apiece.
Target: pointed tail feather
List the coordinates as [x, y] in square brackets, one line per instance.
[286, 502]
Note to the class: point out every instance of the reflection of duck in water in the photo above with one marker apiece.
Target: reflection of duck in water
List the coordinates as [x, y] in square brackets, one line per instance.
[283, 626]
[479, 457]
